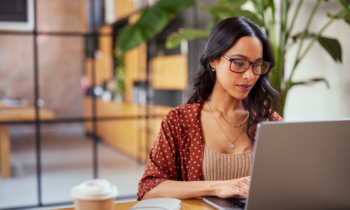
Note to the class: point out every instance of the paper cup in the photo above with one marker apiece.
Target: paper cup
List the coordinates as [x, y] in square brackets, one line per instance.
[97, 194]
[94, 205]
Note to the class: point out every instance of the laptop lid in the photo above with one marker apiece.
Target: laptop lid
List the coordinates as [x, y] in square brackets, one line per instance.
[301, 165]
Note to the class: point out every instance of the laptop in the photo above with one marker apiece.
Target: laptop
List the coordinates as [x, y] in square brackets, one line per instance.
[297, 165]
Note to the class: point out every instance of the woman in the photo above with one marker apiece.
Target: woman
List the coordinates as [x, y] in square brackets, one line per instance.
[205, 147]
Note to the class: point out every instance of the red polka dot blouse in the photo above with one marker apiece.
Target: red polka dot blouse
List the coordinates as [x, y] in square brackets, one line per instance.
[178, 149]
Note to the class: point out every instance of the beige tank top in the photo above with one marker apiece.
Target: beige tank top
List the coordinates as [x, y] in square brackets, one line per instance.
[220, 166]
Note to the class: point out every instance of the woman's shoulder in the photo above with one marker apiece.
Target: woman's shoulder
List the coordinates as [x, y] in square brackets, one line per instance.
[189, 106]
[189, 110]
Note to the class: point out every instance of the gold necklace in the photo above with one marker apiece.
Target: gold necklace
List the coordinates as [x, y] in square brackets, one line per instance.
[233, 126]
[232, 145]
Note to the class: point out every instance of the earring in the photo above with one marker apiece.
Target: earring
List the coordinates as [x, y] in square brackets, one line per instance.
[213, 69]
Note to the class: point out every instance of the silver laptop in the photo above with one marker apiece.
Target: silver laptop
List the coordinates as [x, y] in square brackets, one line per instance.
[297, 165]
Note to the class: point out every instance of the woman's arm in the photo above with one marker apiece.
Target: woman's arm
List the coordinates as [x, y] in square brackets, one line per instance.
[186, 190]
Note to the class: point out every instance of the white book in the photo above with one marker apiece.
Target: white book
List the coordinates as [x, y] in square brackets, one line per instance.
[158, 204]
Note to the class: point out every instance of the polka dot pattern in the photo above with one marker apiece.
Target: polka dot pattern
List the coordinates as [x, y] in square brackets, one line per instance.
[178, 149]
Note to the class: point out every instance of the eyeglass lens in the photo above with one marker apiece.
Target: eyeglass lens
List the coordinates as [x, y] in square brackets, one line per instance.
[241, 66]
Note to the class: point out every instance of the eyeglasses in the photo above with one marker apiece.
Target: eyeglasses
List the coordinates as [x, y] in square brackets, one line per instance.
[239, 65]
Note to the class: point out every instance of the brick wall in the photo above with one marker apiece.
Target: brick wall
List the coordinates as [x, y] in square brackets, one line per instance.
[60, 59]
[16, 66]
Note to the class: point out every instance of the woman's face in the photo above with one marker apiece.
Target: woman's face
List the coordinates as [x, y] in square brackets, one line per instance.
[238, 85]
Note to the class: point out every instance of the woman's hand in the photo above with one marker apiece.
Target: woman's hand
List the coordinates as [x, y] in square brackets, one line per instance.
[224, 189]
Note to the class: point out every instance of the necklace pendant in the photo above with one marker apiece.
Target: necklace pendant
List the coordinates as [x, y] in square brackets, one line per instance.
[232, 146]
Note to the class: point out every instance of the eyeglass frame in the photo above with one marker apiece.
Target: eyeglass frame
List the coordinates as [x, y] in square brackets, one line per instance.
[250, 63]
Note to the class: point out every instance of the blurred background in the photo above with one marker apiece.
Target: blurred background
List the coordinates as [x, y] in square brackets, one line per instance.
[84, 84]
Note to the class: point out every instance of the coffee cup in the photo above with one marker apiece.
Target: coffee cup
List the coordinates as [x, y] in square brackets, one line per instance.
[97, 194]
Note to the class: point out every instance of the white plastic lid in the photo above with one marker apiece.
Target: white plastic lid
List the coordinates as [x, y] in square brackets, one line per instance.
[97, 189]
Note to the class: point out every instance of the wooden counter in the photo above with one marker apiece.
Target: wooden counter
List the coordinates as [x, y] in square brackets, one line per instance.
[127, 135]
[8, 114]
[24, 113]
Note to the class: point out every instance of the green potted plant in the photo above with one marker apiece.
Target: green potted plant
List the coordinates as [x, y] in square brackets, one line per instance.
[152, 21]
[264, 14]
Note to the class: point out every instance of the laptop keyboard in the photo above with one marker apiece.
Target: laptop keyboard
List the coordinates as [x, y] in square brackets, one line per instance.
[238, 204]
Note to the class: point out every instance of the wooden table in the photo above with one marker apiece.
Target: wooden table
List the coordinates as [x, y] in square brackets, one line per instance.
[9, 114]
[191, 204]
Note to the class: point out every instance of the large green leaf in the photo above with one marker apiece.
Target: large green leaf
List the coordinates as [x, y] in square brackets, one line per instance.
[345, 3]
[174, 39]
[258, 5]
[311, 81]
[271, 4]
[152, 21]
[261, 5]
[226, 11]
[346, 16]
[237, 3]
[223, 10]
[332, 46]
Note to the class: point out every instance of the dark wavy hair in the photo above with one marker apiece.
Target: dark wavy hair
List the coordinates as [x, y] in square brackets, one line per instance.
[262, 99]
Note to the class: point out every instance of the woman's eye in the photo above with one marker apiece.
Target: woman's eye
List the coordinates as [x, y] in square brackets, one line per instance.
[238, 63]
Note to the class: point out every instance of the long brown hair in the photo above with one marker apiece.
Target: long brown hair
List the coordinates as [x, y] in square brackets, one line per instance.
[262, 99]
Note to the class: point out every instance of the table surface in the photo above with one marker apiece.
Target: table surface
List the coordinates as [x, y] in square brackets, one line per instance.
[191, 204]
[24, 113]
